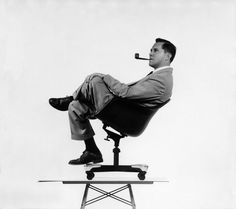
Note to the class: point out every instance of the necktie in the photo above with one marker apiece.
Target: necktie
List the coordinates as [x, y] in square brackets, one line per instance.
[149, 73]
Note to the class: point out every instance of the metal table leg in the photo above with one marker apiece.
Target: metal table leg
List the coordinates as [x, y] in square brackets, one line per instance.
[85, 196]
[131, 196]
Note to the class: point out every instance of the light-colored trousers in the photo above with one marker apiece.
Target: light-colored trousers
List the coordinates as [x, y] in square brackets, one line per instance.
[90, 98]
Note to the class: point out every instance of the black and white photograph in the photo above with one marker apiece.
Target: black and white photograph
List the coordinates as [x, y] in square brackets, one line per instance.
[117, 104]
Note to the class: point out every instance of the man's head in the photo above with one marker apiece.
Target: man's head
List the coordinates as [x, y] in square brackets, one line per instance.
[162, 53]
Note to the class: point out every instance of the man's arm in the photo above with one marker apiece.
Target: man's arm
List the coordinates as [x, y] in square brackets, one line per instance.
[148, 89]
[116, 87]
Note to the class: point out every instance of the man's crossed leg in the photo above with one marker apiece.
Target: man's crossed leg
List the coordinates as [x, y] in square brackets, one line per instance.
[87, 101]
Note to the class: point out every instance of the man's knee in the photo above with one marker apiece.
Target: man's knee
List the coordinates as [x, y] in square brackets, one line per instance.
[94, 78]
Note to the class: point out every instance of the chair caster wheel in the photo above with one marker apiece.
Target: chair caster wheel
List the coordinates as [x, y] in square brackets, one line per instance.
[90, 175]
[141, 175]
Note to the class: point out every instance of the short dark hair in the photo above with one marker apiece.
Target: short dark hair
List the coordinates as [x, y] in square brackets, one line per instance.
[168, 47]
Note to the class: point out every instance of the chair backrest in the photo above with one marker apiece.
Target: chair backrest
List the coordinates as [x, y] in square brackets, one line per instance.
[127, 117]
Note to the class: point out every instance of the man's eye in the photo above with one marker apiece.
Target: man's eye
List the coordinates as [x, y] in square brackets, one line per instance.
[154, 50]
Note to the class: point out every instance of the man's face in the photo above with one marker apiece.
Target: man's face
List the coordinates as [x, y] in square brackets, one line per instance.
[158, 57]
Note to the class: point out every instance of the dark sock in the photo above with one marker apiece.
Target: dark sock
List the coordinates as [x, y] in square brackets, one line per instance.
[91, 146]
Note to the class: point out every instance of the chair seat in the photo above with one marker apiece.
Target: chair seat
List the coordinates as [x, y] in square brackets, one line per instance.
[127, 117]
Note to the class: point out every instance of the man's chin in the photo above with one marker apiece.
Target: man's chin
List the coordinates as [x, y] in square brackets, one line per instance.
[151, 65]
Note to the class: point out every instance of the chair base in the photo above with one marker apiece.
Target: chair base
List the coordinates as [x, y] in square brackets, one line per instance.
[116, 167]
[92, 168]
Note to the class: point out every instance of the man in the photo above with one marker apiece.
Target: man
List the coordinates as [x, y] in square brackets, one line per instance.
[98, 90]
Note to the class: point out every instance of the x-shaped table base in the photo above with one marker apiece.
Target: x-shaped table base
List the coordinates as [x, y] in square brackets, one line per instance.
[106, 194]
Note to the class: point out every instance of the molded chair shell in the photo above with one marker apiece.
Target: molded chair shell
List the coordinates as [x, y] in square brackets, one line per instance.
[127, 117]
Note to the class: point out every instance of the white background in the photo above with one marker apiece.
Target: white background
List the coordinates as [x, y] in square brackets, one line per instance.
[48, 47]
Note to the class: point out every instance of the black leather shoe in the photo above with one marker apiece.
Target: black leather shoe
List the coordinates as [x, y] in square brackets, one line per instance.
[87, 157]
[61, 104]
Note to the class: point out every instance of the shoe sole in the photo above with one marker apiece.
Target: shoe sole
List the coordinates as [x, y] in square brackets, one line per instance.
[97, 161]
[91, 162]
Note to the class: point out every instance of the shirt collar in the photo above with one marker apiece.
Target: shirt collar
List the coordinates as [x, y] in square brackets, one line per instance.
[162, 68]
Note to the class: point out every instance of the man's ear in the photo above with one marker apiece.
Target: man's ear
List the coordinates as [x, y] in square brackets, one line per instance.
[168, 56]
